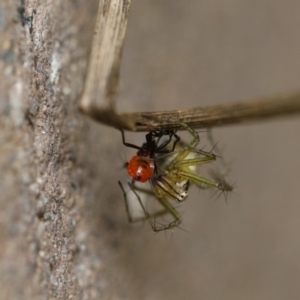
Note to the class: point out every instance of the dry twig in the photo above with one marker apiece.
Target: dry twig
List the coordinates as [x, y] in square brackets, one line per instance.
[98, 99]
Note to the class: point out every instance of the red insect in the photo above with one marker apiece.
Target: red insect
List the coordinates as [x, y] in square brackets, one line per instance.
[142, 166]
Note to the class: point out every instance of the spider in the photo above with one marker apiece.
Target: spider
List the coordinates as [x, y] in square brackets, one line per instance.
[172, 179]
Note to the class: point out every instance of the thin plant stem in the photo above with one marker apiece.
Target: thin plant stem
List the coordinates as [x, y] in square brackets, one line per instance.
[102, 81]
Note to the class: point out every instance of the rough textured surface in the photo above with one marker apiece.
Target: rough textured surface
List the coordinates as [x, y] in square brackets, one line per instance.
[63, 228]
[43, 57]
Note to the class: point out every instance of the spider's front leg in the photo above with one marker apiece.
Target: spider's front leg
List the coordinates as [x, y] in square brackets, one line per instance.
[190, 147]
[193, 144]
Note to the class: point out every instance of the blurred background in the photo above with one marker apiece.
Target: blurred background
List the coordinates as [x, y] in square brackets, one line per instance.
[182, 54]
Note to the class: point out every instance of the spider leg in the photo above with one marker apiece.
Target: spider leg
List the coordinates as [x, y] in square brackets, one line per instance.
[192, 162]
[149, 217]
[145, 191]
[191, 147]
[171, 134]
[193, 133]
[128, 144]
[204, 153]
[169, 208]
[130, 219]
[220, 178]
[201, 181]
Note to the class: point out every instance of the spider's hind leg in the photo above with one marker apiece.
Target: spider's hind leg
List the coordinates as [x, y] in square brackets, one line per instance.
[168, 208]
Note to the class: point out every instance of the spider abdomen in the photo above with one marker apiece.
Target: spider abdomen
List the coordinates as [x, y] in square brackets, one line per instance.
[173, 188]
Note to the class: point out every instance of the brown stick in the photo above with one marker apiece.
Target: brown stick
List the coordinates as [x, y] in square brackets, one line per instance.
[98, 98]
[102, 80]
[218, 115]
